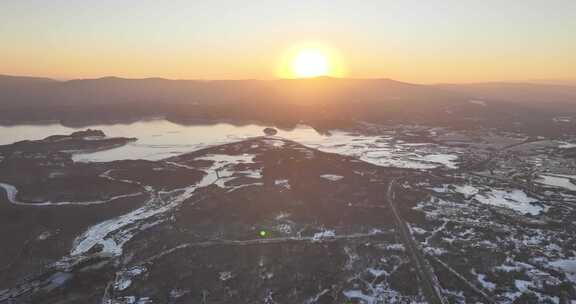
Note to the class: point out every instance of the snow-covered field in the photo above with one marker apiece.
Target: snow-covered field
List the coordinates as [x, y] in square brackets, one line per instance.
[568, 266]
[567, 145]
[513, 199]
[558, 181]
[382, 150]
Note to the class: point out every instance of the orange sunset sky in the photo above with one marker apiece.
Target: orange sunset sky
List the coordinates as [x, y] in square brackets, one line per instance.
[416, 41]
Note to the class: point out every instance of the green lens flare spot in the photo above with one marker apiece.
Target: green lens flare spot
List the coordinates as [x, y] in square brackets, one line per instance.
[263, 233]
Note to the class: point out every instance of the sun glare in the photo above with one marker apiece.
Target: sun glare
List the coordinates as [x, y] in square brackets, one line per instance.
[310, 63]
[311, 60]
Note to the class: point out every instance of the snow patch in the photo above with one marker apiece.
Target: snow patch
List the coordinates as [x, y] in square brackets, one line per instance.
[124, 278]
[326, 234]
[568, 266]
[477, 102]
[332, 177]
[282, 183]
[556, 181]
[516, 200]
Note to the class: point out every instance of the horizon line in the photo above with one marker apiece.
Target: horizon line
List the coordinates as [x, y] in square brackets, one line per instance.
[551, 81]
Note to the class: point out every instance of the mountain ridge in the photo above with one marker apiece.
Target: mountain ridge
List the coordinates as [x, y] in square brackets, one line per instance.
[322, 101]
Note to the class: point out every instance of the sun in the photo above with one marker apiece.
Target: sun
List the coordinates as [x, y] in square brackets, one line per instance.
[310, 63]
[311, 60]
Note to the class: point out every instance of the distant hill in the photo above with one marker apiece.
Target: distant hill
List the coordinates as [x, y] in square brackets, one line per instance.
[6, 80]
[538, 94]
[322, 101]
[18, 90]
[121, 90]
[569, 82]
[14, 88]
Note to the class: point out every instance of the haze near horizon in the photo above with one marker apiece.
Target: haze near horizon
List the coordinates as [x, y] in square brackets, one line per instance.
[431, 42]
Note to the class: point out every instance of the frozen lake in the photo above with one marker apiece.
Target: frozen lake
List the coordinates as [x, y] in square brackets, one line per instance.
[158, 139]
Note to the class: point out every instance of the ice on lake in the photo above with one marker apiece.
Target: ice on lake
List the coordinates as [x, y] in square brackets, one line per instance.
[159, 139]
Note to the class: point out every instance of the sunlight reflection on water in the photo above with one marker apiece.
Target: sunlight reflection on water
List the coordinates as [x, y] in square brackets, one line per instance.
[157, 139]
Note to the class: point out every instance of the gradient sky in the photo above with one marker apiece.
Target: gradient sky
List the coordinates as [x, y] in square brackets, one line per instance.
[409, 40]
